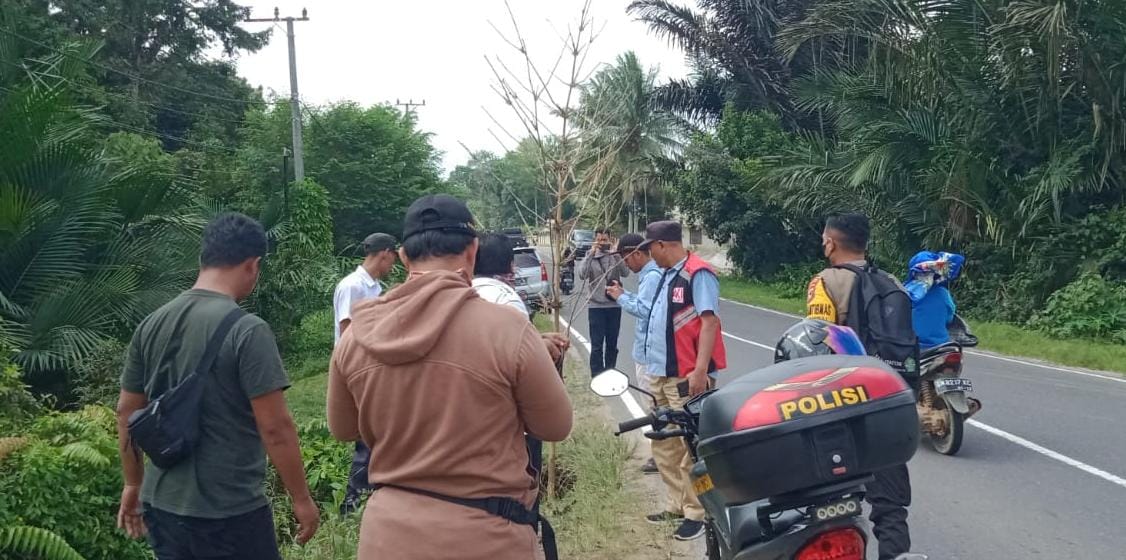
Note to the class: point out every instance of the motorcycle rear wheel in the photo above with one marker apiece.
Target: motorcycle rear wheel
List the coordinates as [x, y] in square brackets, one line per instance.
[950, 443]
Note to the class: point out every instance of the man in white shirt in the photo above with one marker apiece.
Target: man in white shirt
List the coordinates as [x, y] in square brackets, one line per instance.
[380, 252]
[493, 276]
[363, 283]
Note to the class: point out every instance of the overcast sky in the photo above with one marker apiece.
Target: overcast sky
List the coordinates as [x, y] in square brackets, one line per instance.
[377, 51]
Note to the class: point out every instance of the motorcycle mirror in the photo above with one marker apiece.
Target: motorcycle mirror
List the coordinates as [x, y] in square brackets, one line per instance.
[609, 383]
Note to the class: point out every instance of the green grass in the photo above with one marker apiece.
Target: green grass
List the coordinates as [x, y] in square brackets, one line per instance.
[758, 293]
[599, 516]
[995, 337]
[306, 397]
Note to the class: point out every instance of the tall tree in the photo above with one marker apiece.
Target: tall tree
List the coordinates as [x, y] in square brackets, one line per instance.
[373, 162]
[153, 67]
[619, 110]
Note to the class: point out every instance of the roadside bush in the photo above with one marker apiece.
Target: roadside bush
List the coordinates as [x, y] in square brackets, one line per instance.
[792, 280]
[1089, 307]
[64, 477]
[327, 462]
[97, 379]
[17, 405]
[310, 345]
[297, 277]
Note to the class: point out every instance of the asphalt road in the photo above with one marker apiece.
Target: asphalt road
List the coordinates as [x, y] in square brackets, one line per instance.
[1042, 471]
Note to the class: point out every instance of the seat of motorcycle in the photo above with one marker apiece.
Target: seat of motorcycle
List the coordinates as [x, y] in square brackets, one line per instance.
[745, 528]
[940, 349]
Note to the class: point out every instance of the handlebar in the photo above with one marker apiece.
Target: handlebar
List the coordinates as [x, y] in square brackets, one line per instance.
[631, 425]
[661, 435]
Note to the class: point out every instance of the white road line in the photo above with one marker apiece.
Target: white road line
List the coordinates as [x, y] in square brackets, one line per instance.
[763, 309]
[751, 342]
[970, 352]
[1012, 438]
[1050, 454]
[636, 411]
[632, 406]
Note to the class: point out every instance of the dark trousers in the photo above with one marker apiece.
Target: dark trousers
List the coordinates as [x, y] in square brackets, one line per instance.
[178, 537]
[890, 495]
[535, 464]
[358, 476]
[605, 322]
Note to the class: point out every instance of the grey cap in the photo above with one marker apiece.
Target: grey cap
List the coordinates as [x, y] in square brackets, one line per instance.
[379, 242]
[665, 230]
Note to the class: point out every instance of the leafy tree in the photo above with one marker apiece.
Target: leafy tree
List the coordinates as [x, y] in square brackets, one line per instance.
[504, 191]
[372, 161]
[719, 190]
[298, 276]
[152, 72]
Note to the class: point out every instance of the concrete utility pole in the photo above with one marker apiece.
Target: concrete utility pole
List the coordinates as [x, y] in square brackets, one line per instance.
[408, 105]
[294, 97]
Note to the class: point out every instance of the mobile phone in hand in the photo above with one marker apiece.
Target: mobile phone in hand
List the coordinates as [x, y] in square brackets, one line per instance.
[682, 388]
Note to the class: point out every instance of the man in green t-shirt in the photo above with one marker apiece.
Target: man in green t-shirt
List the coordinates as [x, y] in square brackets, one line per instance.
[213, 504]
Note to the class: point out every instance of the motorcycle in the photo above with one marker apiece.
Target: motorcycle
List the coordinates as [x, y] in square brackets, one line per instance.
[567, 278]
[821, 522]
[944, 404]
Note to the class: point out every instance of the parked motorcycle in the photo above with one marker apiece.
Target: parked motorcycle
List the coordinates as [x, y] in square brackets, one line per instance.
[782, 454]
[944, 404]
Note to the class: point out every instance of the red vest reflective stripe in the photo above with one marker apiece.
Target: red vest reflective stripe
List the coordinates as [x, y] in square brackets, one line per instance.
[682, 334]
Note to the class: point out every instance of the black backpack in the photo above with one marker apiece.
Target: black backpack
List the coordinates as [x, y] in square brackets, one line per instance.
[880, 313]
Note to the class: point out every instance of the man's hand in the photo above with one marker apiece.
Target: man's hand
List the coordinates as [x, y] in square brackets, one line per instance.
[556, 344]
[615, 291]
[308, 519]
[698, 382]
[129, 514]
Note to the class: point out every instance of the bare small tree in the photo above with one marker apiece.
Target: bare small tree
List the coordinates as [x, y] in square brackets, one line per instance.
[544, 97]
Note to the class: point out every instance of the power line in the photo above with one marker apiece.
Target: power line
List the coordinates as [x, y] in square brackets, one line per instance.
[94, 90]
[131, 75]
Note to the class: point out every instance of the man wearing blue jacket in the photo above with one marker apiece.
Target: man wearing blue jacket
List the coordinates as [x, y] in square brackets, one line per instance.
[649, 281]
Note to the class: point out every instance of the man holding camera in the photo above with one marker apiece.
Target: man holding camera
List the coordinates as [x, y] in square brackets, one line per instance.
[603, 267]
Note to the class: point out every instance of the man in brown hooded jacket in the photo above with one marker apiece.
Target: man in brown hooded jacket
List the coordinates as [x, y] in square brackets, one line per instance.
[442, 385]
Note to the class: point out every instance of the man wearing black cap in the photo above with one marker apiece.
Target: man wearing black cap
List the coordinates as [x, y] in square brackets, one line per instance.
[683, 349]
[442, 385]
[363, 283]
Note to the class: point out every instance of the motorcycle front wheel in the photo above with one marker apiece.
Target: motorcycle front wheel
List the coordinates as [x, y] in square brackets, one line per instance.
[712, 542]
[950, 443]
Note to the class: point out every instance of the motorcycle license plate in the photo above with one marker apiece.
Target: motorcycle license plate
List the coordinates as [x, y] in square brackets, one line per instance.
[836, 510]
[948, 384]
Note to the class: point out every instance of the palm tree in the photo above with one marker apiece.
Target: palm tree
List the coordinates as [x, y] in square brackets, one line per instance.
[619, 113]
[731, 45]
[83, 253]
[969, 120]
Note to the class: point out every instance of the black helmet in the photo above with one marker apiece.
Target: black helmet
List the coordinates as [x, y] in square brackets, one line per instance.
[813, 337]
